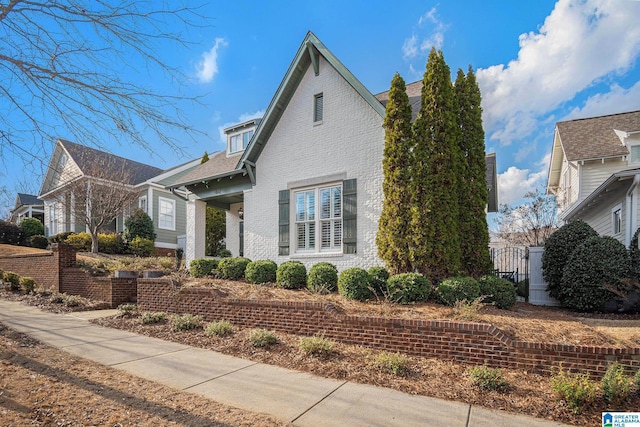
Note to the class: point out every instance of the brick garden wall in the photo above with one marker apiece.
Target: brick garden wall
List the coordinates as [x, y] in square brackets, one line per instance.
[473, 343]
[44, 268]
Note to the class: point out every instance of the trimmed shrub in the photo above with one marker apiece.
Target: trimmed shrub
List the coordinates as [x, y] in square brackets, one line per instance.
[60, 237]
[220, 328]
[353, 283]
[30, 227]
[316, 346]
[323, 278]
[233, 268]
[379, 277]
[13, 280]
[615, 385]
[498, 291]
[224, 253]
[150, 318]
[557, 249]
[392, 363]
[140, 246]
[139, 224]
[261, 271]
[406, 288]
[39, 242]
[27, 284]
[592, 274]
[458, 289]
[110, 243]
[185, 322]
[80, 241]
[202, 267]
[291, 275]
[9, 233]
[262, 338]
[576, 390]
[487, 378]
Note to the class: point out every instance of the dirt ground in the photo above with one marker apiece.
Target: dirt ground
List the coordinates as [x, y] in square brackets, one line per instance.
[528, 393]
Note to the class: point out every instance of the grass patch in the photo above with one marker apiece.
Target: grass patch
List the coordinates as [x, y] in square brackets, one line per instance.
[316, 345]
[219, 328]
[150, 318]
[185, 322]
[487, 378]
[391, 363]
[262, 338]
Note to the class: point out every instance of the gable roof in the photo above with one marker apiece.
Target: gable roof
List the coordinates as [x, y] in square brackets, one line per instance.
[595, 137]
[218, 165]
[23, 199]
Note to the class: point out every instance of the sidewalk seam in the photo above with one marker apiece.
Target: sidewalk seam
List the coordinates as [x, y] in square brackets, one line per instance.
[318, 402]
[220, 376]
[468, 416]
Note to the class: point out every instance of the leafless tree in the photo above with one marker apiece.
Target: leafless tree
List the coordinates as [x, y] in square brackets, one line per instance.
[64, 68]
[530, 223]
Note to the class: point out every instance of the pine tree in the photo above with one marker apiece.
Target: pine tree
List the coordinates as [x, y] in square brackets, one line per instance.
[394, 234]
[434, 219]
[472, 187]
[205, 158]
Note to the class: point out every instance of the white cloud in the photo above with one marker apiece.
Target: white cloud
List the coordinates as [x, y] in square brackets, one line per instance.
[579, 44]
[428, 33]
[207, 68]
[245, 117]
[617, 100]
[514, 183]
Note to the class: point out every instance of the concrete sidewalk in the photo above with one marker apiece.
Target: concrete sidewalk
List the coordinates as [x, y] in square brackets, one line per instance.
[297, 397]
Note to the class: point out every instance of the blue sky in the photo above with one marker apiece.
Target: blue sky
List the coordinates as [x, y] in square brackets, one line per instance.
[537, 63]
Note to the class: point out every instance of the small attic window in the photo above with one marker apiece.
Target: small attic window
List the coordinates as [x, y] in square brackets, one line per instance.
[239, 141]
[317, 108]
[634, 153]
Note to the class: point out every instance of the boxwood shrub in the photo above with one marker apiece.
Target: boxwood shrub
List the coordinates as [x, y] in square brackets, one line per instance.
[498, 291]
[458, 289]
[557, 249]
[597, 263]
[379, 277]
[202, 267]
[261, 271]
[354, 283]
[12, 279]
[233, 268]
[405, 288]
[323, 278]
[27, 285]
[39, 242]
[291, 275]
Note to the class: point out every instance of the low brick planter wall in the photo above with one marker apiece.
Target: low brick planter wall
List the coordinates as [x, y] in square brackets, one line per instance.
[472, 343]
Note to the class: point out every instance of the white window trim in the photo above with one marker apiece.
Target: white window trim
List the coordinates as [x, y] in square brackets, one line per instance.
[629, 146]
[315, 112]
[239, 134]
[146, 203]
[615, 209]
[173, 209]
[293, 229]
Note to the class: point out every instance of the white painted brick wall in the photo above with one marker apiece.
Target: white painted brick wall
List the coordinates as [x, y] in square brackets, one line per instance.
[350, 141]
[232, 238]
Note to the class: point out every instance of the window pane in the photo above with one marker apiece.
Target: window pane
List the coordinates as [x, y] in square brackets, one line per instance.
[337, 202]
[326, 234]
[302, 236]
[317, 108]
[311, 205]
[634, 154]
[299, 206]
[325, 205]
[246, 137]
[311, 242]
[337, 234]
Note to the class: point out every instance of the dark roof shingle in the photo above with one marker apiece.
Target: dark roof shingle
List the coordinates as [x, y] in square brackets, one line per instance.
[218, 164]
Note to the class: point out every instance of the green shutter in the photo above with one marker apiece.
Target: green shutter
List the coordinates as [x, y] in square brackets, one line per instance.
[350, 209]
[283, 222]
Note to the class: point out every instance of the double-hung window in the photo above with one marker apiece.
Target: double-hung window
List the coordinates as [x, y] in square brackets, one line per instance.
[318, 219]
[616, 219]
[239, 141]
[166, 214]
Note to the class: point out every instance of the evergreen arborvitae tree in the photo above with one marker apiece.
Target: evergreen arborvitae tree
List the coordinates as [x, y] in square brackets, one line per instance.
[205, 158]
[434, 219]
[472, 186]
[394, 233]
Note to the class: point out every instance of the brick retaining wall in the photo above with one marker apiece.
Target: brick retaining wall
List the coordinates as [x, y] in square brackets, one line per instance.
[44, 268]
[472, 343]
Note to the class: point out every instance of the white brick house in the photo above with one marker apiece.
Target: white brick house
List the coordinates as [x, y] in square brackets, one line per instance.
[308, 186]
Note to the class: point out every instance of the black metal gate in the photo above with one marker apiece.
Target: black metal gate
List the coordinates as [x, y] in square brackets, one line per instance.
[511, 263]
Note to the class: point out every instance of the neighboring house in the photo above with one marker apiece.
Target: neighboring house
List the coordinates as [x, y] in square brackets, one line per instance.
[73, 163]
[27, 206]
[595, 171]
[304, 182]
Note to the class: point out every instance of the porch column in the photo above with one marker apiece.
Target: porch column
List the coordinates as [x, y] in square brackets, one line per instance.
[196, 230]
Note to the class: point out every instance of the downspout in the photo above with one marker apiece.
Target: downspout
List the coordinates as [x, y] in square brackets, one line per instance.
[632, 210]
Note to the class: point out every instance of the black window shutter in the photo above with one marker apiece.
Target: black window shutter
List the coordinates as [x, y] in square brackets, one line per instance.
[283, 222]
[350, 209]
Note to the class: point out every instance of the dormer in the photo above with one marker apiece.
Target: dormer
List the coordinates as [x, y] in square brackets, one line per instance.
[631, 140]
[239, 136]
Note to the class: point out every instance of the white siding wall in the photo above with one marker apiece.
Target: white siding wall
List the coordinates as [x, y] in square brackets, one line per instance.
[594, 173]
[600, 218]
[349, 141]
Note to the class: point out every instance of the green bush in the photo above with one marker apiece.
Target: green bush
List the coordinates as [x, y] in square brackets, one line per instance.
[139, 224]
[39, 242]
[127, 309]
[353, 283]
[220, 328]
[557, 249]
[262, 338]
[521, 288]
[498, 291]
[149, 318]
[406, 288]
[31, 227]
[202, 267]
[577, 390]
[71, 300]
[13, 280]
[487, 378]
[615, 385]
[458, 289]
[323, 278]
[379, 277]
[261, 271]
[9, 233]
[185, 322]
[233, 268]
[60, 237]
[140, 246]
[291, 275]
[80, 241]
[224, 253]
[392, 363]
[596, 264]
[110, 243]
[316, 346]
[27, 285]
